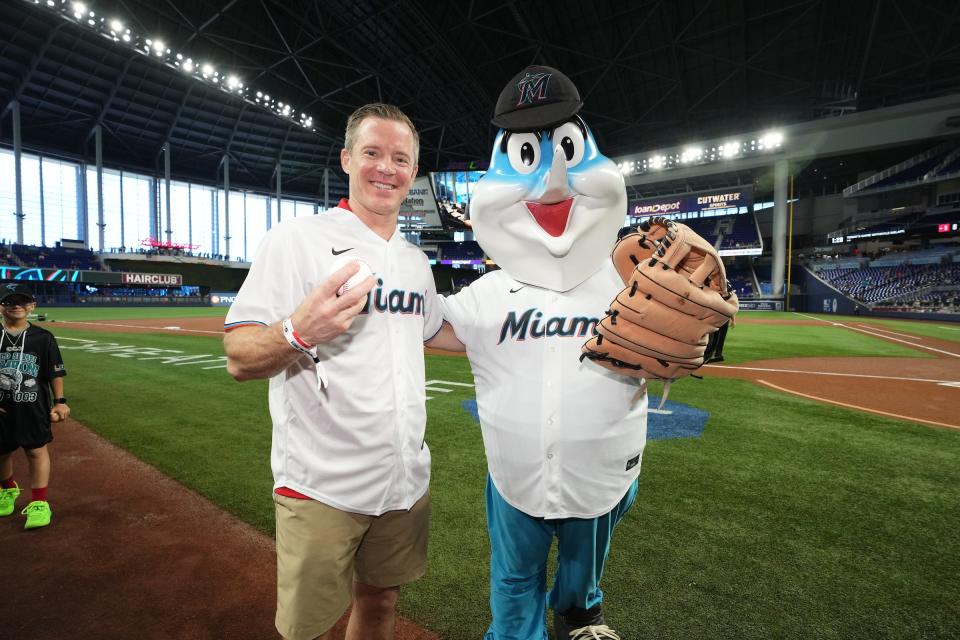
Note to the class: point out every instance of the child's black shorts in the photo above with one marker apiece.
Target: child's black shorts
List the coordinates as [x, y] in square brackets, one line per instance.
[28, 434]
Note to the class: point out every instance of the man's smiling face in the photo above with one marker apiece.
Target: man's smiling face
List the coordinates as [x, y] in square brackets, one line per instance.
[381, 166]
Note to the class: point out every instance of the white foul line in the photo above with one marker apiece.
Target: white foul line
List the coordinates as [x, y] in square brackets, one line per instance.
[853, 406]
[797, 313]
[830, 373]
[912, 344]
[137, 326]
[879, 335]
[905, 335]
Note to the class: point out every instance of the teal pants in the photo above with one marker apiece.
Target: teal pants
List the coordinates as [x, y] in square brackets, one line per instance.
[519, 546]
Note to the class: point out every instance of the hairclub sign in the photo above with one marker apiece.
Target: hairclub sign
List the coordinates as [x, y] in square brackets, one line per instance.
[163, 279]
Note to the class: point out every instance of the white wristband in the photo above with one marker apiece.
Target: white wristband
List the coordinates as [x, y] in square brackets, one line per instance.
[299, 344]
[295, 341]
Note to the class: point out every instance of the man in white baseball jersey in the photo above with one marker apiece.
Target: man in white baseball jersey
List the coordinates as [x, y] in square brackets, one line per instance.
[351, 468]
[563, 438]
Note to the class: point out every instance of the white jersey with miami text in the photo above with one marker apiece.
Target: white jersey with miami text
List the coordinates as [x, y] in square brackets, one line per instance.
[357, 444]
[563, 438]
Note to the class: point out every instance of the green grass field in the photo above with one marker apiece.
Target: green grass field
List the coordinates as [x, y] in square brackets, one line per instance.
[786, 519]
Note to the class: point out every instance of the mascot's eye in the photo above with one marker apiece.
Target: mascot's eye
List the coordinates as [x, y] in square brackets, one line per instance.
[570, 138]
[523, 151]
[527, 154]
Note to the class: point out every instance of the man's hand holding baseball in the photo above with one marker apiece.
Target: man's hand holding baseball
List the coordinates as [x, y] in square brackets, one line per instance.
[324, 315]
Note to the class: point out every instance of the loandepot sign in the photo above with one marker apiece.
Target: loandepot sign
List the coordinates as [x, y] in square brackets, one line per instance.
[699, 204]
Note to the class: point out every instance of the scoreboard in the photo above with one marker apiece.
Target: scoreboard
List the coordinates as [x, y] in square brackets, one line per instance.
[948, 227]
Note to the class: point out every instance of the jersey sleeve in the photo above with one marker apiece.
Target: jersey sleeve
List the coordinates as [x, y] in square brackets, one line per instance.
[461, 310]
[54, 361]
[272, 288]
[432, 316]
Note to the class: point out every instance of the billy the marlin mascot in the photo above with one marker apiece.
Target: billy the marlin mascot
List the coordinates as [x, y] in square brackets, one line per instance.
[563, 438]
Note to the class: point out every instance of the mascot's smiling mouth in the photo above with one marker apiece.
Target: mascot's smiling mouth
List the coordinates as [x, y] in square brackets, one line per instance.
[551, 217]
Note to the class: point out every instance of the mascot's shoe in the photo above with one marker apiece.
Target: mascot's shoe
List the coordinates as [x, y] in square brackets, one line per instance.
[582, 624]
[8, 497]
[38, 514]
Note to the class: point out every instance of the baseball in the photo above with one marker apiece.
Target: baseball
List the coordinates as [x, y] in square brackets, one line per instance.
[356, 278]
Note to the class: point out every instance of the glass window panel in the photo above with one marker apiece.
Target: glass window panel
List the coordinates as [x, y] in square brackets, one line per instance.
[112, 210]
[288, 209]
[304, 208]
[137, 196]
[30, 178]
[59, 201]
[179, 213]
[8, 198]
[237, 249]
[201, 219]
[256, 222]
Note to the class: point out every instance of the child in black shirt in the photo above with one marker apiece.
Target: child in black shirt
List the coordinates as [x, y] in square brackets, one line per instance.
[30, 368]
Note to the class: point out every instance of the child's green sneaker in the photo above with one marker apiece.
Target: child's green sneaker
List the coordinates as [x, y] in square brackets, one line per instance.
[38, 514]
[7, 499]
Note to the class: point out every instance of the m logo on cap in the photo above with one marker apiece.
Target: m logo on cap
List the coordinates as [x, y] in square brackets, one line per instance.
[533, 87]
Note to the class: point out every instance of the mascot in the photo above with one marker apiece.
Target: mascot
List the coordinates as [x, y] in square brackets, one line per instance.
[563, 437]
[561, 349]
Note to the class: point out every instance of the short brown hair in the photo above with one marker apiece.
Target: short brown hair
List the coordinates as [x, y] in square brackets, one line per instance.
[386, 112]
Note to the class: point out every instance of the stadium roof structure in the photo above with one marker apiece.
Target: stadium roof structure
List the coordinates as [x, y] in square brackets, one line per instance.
[652, 73]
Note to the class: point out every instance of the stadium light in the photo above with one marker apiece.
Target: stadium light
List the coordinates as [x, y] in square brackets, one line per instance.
[690, 154]
[80, 13]
[706, 153]
[731, 149]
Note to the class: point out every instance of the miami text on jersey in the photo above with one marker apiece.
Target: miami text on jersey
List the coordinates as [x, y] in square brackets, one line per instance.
[394, 301]
[532, 323]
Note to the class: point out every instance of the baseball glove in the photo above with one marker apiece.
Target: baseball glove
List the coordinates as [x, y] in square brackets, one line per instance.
[676, 295]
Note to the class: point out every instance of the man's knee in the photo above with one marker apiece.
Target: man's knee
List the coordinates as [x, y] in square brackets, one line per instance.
[375, 599]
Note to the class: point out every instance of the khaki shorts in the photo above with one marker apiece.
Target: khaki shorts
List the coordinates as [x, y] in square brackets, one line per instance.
[321, 551]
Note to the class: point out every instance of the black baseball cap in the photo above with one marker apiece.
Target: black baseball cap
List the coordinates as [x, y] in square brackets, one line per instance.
[537, 98]
[16, 289]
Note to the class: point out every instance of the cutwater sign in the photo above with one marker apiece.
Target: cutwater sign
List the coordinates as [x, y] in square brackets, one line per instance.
[692, 204]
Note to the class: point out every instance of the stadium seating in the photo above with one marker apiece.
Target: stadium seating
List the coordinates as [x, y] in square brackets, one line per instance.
[56, 257]
[741, 281]
[459, 251]
[911, 280]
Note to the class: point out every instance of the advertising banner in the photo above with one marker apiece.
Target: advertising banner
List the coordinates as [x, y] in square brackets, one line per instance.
[420, 203]
[728, 199]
